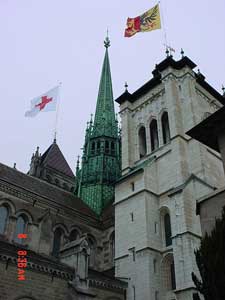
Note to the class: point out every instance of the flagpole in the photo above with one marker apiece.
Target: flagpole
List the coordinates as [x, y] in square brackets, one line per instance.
[57, 112]
[163, 25]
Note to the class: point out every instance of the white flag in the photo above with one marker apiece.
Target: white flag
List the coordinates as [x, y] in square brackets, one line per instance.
[44, 103]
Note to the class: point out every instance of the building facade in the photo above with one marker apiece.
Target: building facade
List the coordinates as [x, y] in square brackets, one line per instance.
[164, 172]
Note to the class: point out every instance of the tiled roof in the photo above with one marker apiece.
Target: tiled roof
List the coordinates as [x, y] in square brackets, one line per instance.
[54, 158]
[43, 189]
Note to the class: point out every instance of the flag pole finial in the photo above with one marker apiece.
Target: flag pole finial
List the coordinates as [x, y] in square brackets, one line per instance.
[182, 52]
[167, 52]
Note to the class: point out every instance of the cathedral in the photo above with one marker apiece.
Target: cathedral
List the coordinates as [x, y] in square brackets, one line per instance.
[124, 226]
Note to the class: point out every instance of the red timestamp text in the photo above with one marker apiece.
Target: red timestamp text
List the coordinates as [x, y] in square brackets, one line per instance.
[21, 260]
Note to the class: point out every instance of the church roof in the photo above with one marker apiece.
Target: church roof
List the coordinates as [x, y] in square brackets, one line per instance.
[36, 187]
[157, 79]
[54, 158]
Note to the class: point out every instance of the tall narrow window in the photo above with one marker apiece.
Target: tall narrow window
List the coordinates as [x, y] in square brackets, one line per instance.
[21, 227]
[92, 148]
[3, 218]
[113, 148]
[91, 244]
[112, 246]
[57, 241]
[172, 274]
[155, 265]
[167, 226]
[165, 128]
[142, 141]
[154, 135]
[107, 147]
[134, 293]
[98, 147]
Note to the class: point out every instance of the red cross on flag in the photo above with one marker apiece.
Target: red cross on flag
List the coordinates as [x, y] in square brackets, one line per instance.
[44, 103]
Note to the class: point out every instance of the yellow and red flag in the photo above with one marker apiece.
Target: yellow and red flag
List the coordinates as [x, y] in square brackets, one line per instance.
[149, 21]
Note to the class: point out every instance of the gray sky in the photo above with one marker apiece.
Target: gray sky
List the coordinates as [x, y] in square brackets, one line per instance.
[47, 41]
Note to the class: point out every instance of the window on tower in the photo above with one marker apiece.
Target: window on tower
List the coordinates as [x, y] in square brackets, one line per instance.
[98, 147]
[93, 148]
[142, 141]
[167, 227]
[113, 148]
[107, 147]
[112, 246]
[154, 135]
[165, 128]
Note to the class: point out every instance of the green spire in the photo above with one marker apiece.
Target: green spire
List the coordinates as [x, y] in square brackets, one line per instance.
[101, 153]
[104, 122]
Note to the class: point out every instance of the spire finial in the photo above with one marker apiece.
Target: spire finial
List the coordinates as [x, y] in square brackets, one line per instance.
[223, 89]
[182, 52]
[91, 120]
[107, 41]
[37, 151]
[54, 141]
[126, 86]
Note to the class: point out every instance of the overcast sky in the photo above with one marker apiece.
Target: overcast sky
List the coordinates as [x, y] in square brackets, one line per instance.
[47, 41]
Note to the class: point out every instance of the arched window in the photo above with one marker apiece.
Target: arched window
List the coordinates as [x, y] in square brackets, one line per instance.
[91, 244]
[165, 128]
[107, 147]
[167, 227]
[74, 235]
[154, 135]
[142, 141]
[58, 234]
[112, 246]
[168, 272]
[21, 227]
[113, 148]
[4, 213]
[92, 148]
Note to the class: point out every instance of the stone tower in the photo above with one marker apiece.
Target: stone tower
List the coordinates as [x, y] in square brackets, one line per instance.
[101, 152]
[164, 172]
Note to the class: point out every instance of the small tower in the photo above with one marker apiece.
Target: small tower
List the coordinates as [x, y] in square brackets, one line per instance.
[52, 167]
[101, 153]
